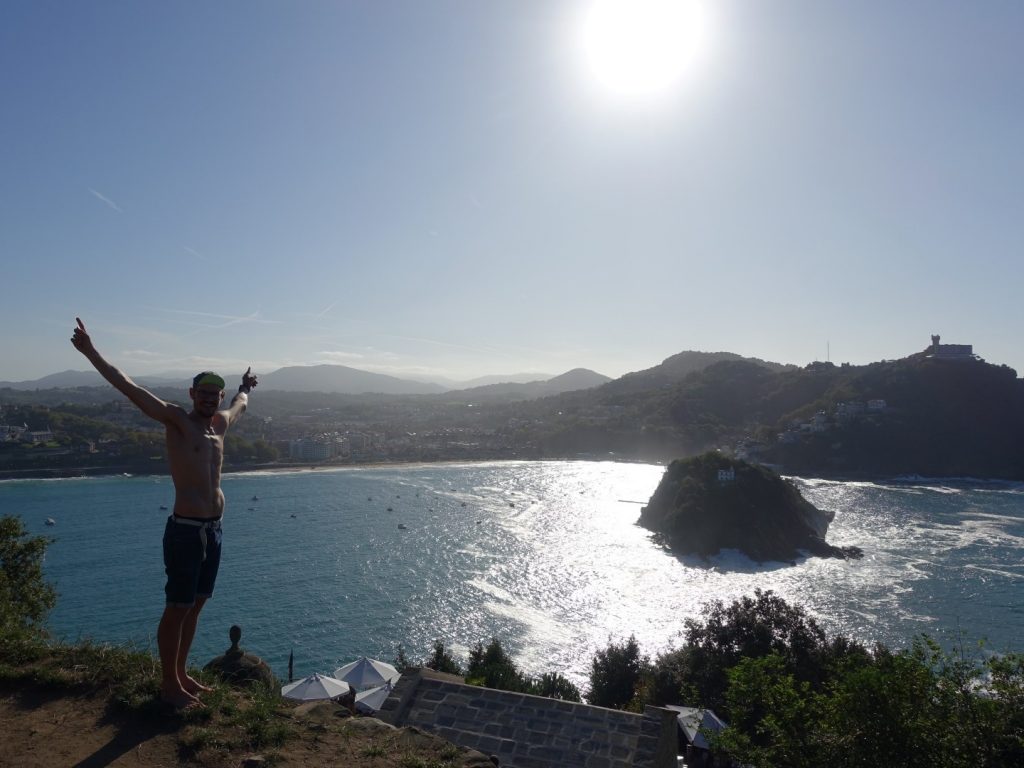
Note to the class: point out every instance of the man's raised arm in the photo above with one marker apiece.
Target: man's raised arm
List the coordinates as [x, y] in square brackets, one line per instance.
[148, 403]
[241, 399]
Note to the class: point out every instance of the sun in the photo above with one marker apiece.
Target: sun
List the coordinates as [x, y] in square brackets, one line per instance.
[642, 48]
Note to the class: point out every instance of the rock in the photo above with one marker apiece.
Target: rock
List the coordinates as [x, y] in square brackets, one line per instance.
[319, 711]
[370, 725]
[413, 738]
[708, 503]
[474, 759]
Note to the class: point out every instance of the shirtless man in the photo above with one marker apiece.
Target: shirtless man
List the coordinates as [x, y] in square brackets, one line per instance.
[192, 536]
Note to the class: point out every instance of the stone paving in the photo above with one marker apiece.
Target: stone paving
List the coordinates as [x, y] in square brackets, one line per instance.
[531, 731]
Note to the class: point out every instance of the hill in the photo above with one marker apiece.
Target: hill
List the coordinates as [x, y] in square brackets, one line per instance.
[677, 367]
[919, 415]
[342, 380]
[928, 416]
[574, 380]
[71, 379]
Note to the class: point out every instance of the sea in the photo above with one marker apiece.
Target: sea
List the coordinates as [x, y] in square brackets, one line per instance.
[333, 564]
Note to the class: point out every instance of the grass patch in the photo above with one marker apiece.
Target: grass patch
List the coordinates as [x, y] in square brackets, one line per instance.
[250, 718]
[231, 723]
[196, 740]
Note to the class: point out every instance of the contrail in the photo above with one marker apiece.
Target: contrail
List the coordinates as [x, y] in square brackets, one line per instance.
[106, 200]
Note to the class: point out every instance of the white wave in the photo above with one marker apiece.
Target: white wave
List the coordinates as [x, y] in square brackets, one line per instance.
[995, 572]
[491, 589]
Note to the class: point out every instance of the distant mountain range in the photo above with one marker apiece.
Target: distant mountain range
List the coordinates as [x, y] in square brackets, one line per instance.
[70, 379]
[341, 379]
[570, 381]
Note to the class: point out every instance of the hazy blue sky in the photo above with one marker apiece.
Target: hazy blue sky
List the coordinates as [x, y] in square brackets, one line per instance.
[469, 188]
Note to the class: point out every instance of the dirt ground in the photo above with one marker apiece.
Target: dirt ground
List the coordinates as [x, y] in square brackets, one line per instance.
[42, 727]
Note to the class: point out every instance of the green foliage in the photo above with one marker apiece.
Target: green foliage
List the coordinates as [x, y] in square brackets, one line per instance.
[442, 661]
[25, 596]
[492, 667]
[918, 708]
[554, 686]
[771, 722]
[793, 697]
[748, 628]
[616, 674]
[237, 448]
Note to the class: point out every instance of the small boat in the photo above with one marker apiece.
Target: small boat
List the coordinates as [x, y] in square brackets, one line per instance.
[255, 498]
[401, 526]
[50, 521]
[163, 506]
[293, 514]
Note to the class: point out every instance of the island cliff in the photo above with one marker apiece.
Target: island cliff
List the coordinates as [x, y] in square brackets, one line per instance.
[710, 502]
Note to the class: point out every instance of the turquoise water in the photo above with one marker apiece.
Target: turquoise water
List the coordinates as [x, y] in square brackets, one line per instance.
[544, 555]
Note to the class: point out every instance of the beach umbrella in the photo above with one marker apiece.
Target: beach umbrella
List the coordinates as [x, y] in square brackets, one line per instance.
[315, 687]
[367, 673]
[372, 699]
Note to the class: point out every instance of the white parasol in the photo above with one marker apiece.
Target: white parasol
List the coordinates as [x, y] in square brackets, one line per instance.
[367, 673]
[372, 699]
[315, 687]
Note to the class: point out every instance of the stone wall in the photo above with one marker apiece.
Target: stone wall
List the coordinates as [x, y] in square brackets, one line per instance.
[531, 731]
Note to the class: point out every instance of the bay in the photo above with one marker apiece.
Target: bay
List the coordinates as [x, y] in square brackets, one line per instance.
[546, 556]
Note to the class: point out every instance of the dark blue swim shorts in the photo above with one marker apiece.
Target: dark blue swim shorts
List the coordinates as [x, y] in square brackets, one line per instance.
[191, 558]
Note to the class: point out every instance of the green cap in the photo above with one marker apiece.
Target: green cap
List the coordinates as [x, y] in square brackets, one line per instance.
[208, 377]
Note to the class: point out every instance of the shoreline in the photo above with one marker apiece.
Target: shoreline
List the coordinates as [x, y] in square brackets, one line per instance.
[132, 470]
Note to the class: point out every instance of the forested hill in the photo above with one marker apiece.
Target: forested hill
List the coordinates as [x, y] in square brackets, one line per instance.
[939, 418]
[918, 415]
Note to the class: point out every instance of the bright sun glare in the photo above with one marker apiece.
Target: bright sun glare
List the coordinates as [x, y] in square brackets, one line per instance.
[642, 48]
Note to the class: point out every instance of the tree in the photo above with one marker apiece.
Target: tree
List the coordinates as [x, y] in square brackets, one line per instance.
[554, 686]
[442, 661]
[749, 628]
[25, 597]
[494, 668]
[770, 724]
[616, 673]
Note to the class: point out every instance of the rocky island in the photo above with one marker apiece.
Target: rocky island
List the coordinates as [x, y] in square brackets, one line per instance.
[710, 502]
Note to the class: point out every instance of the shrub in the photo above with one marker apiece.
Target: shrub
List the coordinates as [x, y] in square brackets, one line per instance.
[616, 673]
[25, 597]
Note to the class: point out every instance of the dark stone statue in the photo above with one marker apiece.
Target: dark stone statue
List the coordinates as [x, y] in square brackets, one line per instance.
[241, 668]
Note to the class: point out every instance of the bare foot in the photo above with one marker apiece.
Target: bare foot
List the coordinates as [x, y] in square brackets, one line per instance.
[180, 700]
[193, 686]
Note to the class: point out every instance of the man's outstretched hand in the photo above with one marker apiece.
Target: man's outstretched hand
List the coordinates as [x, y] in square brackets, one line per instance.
[81, 338]
[248, 380]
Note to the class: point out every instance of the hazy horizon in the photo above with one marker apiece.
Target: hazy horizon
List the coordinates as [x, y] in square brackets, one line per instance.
[456, 189]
